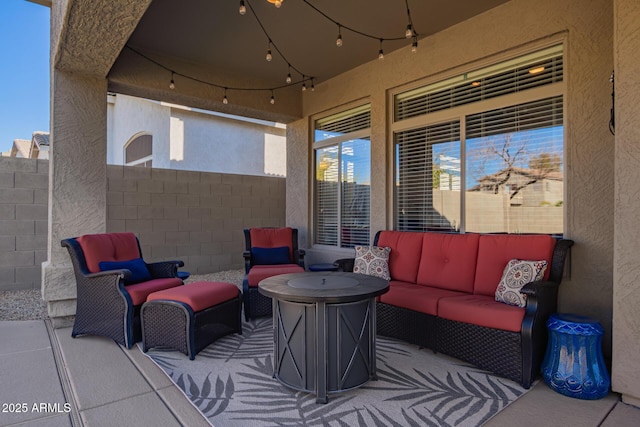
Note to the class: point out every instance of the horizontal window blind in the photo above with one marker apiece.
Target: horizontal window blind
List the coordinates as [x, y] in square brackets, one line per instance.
[352, 120]
[427, 165]
[515, 169]
[342, 180]
[527, 72]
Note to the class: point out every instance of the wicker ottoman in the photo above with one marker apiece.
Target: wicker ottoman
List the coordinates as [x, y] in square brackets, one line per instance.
[188, 318]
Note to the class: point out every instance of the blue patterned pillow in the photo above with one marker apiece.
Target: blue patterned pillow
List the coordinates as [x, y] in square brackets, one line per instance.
[138, 268]
[270, 256]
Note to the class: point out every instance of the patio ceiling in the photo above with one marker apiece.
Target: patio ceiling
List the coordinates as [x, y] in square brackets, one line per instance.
[213, 37]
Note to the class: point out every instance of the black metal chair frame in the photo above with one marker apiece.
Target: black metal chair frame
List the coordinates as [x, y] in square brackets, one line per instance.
[103, 305]
[256, 304]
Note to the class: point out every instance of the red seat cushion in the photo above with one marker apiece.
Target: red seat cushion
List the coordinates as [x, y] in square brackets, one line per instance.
[108, 247]
[496, 250]
[404, 259]
[448, 261]
[415, 297]
[272, 238]
[260, 272]
[482, 310]
[198, 295]
[140, 291]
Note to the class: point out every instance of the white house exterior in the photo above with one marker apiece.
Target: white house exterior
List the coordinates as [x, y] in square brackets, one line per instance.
[184, 138]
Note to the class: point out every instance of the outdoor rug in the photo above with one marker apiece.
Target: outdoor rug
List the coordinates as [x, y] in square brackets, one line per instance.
[231, 382]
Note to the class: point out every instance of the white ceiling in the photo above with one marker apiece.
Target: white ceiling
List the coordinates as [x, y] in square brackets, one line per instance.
[213, 35]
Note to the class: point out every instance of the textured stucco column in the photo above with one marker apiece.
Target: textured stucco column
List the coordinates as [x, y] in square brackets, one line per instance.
[626, 274]
[77, 179]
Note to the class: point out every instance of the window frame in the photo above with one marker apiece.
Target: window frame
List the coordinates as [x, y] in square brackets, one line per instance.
[461, 112]
[336, 141]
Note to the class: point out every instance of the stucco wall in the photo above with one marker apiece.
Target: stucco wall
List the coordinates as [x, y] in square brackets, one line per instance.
[626, 292]
[23, 222]
[589, 149]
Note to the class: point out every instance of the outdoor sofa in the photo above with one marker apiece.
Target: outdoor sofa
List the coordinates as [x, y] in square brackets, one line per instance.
[443, 296]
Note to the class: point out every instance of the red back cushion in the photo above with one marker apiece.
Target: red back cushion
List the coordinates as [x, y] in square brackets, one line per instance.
[496, 250]
[108, 247]
[448, 261]
[272, 238]
[406, 248]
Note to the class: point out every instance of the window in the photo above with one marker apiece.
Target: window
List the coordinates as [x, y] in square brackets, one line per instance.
[138, 152]
[342, 191]
[483, 152]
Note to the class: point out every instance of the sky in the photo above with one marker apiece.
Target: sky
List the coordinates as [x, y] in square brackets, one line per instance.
[24, 70]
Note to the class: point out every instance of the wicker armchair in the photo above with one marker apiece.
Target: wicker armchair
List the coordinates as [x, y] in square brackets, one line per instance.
[108, 270]
[268, 252]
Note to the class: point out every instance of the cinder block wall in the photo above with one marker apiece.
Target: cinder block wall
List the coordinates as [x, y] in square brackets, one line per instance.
[197, 217]
[23, 222]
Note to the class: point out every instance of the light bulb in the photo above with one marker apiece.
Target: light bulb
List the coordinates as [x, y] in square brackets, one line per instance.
[380, 54]
[288, 80]
[313, 87]
[225, 100]
[242, 10]
[172, 84]
[414, 45]
[304, 87]
[269, 57]
[277, 3]
[339, 40]
[409, 31]
[272, 100]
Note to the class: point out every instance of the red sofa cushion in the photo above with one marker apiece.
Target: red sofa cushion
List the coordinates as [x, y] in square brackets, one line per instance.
[108, 247]
[448, 261]
[140, 291]
[496, 250]
[404, 259]
[482, 310]
[272, 238]
[260, 272]
[198, 295]
[414, 297]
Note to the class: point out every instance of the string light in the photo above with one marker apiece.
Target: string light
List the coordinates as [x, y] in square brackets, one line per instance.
[244, 4]
[269, 57]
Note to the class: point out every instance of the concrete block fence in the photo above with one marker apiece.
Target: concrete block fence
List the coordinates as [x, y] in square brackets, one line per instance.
[197, 217]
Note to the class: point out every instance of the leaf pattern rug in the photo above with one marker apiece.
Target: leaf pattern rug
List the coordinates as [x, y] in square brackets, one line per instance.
[231, 382]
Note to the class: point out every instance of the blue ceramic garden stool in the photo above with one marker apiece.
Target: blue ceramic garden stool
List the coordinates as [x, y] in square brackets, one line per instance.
[573, 364]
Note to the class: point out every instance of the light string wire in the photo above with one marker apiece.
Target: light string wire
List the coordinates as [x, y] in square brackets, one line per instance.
[271, 89]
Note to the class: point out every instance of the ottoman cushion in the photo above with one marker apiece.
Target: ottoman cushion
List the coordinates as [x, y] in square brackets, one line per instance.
[198, 295]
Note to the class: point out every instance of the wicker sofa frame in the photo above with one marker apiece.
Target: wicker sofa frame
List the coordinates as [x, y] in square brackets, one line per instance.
[513, 355]
[103, 305]
[256, 304]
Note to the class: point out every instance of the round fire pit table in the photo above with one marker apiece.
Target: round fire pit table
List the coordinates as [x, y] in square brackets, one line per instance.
[324, 330]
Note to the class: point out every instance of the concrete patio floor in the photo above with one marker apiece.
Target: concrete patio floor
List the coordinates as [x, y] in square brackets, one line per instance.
[91, 381]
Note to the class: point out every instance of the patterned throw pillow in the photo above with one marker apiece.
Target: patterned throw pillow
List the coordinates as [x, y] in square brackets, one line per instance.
[516, 274]
[372, 260]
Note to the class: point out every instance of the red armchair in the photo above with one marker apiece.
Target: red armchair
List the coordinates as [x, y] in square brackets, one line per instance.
[268, 252]
[113, 282]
